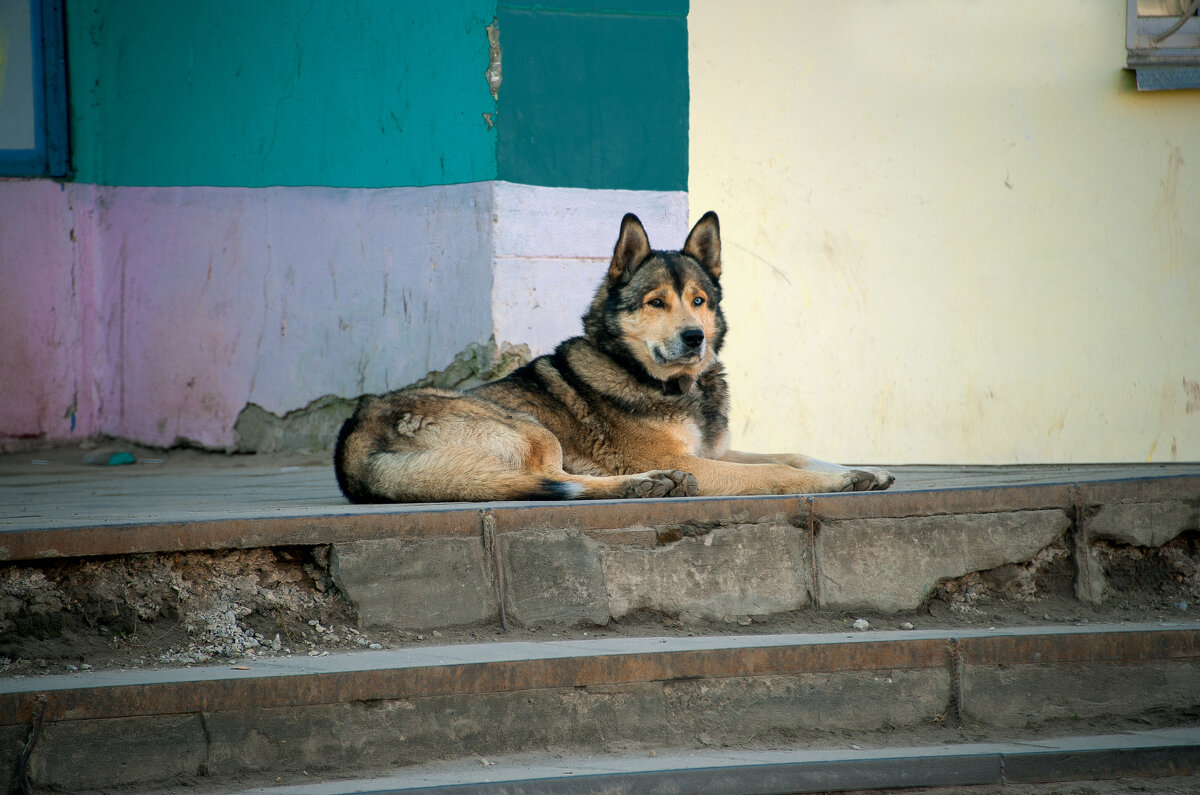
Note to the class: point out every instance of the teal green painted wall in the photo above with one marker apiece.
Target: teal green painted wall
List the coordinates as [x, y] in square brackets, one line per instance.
[594, 95]
[371, 93]
[377, 93]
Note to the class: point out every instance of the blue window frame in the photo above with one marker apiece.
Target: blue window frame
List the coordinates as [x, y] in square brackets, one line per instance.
[33, 89]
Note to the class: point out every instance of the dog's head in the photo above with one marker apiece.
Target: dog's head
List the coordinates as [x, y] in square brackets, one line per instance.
[662, 309]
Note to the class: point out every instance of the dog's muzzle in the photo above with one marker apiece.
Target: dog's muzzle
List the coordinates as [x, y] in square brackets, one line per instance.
[686, 348]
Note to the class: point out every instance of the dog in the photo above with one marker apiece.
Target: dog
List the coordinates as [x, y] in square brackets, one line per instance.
[635, 407]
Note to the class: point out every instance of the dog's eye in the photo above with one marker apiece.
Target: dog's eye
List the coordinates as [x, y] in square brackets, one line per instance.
[698, 301]
[657, 303]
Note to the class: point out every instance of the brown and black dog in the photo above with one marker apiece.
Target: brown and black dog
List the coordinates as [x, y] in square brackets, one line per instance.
[636, 407]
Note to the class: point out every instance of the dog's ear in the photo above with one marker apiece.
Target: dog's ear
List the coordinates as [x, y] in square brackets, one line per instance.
[704, 244]
[632, 248]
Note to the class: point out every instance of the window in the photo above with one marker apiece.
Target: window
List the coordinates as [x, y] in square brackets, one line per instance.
[33, 90]
[1163, 41]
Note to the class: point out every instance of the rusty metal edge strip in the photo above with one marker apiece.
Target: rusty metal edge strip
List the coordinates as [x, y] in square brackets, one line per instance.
[1143, 489]
[218, 534]
[297, 690]
[469, 679]
[1082, 647]
[940, 502]
[608, 515]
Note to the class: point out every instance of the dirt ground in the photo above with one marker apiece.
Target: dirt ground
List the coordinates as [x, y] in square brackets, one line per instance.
[166, 610]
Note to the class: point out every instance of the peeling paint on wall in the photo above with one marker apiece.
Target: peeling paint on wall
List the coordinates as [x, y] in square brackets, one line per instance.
[494, 74]
[478, 364]
[315, 427]
[311, 428]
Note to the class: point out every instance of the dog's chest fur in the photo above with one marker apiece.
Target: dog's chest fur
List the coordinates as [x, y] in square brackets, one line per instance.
[609, 421]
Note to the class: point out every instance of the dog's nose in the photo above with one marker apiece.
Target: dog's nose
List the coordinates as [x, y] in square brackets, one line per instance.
[692, 337]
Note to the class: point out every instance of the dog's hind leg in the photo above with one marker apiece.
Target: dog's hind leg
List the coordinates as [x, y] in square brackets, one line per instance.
[429, 445]
[766, 476]
[868, 479]
[655, 483]
[545, 457]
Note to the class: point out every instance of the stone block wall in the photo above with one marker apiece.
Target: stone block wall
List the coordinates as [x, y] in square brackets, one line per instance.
[568, 565]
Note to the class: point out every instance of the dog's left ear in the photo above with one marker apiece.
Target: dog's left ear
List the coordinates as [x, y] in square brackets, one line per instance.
[704, 244]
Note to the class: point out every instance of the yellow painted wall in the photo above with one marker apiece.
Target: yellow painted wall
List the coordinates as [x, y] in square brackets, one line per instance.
[954, 232]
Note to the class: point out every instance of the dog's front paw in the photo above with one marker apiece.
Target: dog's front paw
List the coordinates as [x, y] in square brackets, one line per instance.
[869, 479]
[663, 483]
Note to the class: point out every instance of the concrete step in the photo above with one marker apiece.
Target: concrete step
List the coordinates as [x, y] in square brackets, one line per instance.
[146, 730]
[1156, 754]
[529, 566]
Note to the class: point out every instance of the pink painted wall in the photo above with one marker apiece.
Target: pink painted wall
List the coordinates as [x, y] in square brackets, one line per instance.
[159, 313]
[46, 375]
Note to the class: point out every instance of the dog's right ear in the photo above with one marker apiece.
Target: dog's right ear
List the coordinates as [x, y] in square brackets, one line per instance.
[633, 246]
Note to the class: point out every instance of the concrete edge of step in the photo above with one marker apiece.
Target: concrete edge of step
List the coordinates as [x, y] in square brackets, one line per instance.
[1145, 754]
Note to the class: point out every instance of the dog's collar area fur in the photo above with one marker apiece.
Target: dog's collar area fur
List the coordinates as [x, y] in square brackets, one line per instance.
[620, 359]
[678, 386]
[621, 356]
